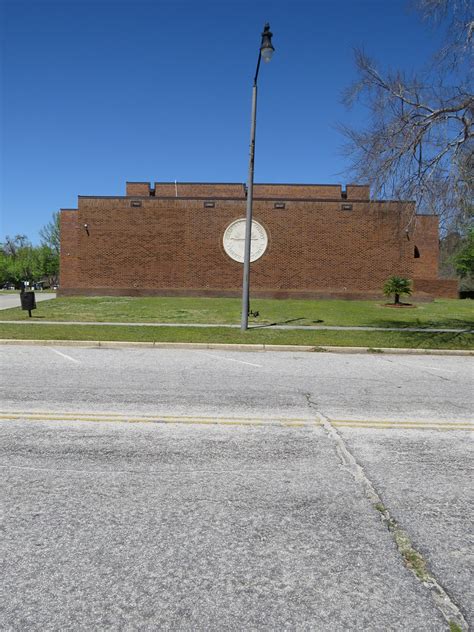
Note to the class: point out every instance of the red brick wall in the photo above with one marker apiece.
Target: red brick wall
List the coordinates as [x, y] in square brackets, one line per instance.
[442, 288]
[138, 188]
[69, 257]
[426, 239]
[176, 245]
[358, 192]
[237, 190]
[198, 189]
[301, 191]
[173, 244]
[185, 189]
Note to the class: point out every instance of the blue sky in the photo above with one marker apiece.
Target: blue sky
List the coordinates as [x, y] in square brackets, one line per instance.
[97, 92]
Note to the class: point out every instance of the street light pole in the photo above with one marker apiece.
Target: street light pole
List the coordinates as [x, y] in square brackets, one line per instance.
[266, 51]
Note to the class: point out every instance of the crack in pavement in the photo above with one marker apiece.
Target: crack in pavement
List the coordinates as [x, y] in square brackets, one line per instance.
[411, 557]
[309, 401]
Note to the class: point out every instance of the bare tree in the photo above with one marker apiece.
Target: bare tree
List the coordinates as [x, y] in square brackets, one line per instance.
[11, 245]
[419, 141]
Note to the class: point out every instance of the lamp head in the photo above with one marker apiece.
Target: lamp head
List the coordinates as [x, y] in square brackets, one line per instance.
[266, 47]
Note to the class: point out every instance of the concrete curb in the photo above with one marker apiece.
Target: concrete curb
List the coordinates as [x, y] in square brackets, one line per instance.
[111, 344]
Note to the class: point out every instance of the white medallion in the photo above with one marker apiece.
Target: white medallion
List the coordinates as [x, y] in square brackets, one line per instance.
[234, 240]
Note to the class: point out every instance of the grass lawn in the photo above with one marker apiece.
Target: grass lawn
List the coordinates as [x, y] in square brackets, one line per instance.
[440, 313]
[401, 339]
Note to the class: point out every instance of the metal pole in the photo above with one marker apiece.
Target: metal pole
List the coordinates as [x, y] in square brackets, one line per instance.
[248, 222]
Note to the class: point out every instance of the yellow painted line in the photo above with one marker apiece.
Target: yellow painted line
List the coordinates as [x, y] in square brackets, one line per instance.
[234, 421]
[393, 421]
[157, 420]
[115, 415]
[146, 421]
[406, 426]
[299, 425]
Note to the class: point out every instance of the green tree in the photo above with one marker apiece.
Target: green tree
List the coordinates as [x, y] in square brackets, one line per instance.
[48, 263]
[49, 250]
[50, 234]
[20, 261]
[3, 268]
[463, 260]
[398, 286]
[25, 266]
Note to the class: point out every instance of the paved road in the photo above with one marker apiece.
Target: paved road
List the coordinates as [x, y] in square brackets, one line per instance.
[189, 382]
[233, 502]
[13, 300]
[425, 477]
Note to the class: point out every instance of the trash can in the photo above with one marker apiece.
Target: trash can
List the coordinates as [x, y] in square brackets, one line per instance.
[28, 301]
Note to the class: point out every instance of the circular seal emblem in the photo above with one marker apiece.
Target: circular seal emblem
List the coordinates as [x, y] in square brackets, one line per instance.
[234, 240]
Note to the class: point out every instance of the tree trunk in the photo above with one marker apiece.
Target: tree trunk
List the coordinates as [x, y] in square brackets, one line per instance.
[397, 299]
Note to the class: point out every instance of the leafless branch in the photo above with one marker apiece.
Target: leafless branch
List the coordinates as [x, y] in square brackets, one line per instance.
[419, 140]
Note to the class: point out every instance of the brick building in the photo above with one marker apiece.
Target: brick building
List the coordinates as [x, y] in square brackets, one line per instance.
[316, 241]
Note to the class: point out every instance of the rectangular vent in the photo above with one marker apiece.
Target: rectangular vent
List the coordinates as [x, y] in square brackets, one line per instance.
[209, 204]
[135, 203]
[346, 207]
[279, 205]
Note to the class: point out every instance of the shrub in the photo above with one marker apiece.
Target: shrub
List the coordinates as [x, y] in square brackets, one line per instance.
[398, 286]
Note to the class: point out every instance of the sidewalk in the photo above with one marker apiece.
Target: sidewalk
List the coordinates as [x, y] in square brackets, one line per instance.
[34, 321]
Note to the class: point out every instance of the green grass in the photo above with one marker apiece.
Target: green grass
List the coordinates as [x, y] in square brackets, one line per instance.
[416, 562]
[440, 313]
[424, 340]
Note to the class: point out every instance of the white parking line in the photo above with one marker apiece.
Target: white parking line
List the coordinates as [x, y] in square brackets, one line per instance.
[420, 366]
[218, 357]
[434, 368]
[64, 355]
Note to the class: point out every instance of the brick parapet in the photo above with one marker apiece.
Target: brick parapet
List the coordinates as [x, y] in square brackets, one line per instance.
[357, 192]
[138, 188]
[238, 190]
[300, 191]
